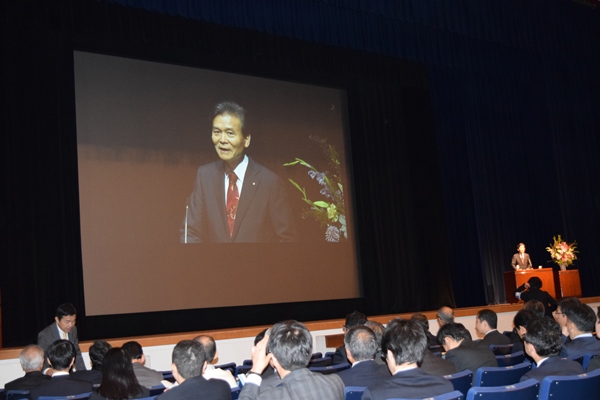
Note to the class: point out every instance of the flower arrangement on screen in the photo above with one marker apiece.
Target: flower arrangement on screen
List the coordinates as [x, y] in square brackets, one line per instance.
[562, 252]
[328, 211]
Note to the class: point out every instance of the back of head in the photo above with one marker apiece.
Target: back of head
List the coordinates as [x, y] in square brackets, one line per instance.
[488, 316]
[535, 282]
[446, 315]
[97, 352]
[582, 316]
[536, 307]
[291, 345]
[453, 330]
[378, 329]
[189, 357]
[524, 318]
[209, 345]
[545, 336]
[361, 342]
[421, 320]
[260, 336]
[32, 358]
[118, 379]
[133, 349]
[61, 354]
[65, 309]
[355, 318]
[406, 340]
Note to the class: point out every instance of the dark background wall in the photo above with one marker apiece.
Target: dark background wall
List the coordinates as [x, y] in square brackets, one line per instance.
[484, 114]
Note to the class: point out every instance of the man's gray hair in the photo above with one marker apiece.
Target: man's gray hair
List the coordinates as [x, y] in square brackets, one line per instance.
[231, 108]
[291, 344]
[361, 342]
[188, 357]
[32, 358]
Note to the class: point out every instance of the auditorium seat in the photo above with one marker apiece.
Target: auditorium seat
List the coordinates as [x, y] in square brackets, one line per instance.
[584, 386]
[353, 392]
[235, 393]
[227, 367]
[511, 359]
[462, 381]
[455, 395]
[17, 394]
[500, 376]
[316, 355]
[242, 369]
[586, 360]
[526, 390]
[320, 362]
[82, 396]
[331, 369]
[156, 390]
[501, 349]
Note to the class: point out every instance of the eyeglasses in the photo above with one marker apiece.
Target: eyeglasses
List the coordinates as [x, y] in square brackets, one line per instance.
[558, 313]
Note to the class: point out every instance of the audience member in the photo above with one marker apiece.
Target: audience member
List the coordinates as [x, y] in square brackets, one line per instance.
[534, 292]
[404, 344]
[189, 363]
[97, 352]
[118, 378]
[361, 347]
[543, 343]
[32, 361]
[445, 315]
[595, 362]
[462, 351]
[290, 347]
[61, 357]
[581, 322]
[432, 364]
[353, 319]
[146, 376]
[521, 320]
[561, 318]
[424, 322]
[269, 377]
[212, 356]
[378, 329]
[486, 323]
[536, 307]
[63, 327]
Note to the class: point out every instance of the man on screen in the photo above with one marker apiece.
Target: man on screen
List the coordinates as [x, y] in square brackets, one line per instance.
[236, 199]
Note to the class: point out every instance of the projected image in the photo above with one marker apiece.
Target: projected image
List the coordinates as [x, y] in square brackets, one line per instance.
[198, 185]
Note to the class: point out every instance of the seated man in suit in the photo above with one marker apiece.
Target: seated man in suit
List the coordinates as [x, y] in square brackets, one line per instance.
[63, 327]
[189, 363]
[404, 344]
[361, 347]
[378, 329]
[595, 362]
[424, 322]
[543, 343]
[355, 318]
[289, 346]
[97, 352]
[486, 323]
[236, 199]
[61, 357]
[212, 356]
[560, 315]
[32, 361]
[521, 259]
[462, 351]
[521, 321]
[147, 377]
[581, 321]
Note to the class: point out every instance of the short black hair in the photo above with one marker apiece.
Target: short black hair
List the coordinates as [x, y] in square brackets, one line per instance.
[97, 352]
[524, 318]
[65, 309]
[133, 349]
[291, 344]
[488, 316]
[545, 335]
[535, 282]
[456, 331]
[422, 320]
[189, 357]
[536, 307]
[355, 318]
[406, 340]
[60, 354]
[582, 316]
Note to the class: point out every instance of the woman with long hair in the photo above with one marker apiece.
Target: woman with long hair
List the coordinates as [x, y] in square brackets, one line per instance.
[118, 379]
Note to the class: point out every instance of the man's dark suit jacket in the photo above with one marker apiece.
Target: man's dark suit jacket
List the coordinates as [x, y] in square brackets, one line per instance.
[50, 335]
[471, 355]
[263, 214]
[554, 366]
[581, 346]
[31, 380]
[90, 375]
[524, 264]
[435, 365]
[63, 385]
[365, 373]
[412, 384]
[540, 295]
[494, 338]
[339, 357]
[198, 388]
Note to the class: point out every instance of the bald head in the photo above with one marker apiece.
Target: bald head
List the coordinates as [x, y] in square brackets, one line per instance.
[209, 345]
[445, 315]
[32, 358]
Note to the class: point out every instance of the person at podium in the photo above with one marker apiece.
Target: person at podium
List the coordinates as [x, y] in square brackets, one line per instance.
[521, 259]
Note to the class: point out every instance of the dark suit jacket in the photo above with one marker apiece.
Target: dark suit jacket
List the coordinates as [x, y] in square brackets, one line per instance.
[31, 380]
[435, 365]
[90, 375]
[198, 388]
[339, 357]
[413, 383]
[97, 396]
[494, 338]
[540, 295]
[64, 385]
[471, 355]
[582, 346]
[365, 373]
[524, 264]
[50, 335]
[263, 214]
[594, 364]
[554, 366]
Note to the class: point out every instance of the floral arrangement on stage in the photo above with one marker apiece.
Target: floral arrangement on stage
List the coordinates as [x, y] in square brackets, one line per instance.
[562, 253]
[329, 211]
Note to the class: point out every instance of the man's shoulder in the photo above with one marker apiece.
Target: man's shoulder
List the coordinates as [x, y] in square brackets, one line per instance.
[27, 382]
[197, 387]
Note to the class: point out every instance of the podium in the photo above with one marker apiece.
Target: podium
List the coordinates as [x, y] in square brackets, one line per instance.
[568, 283]
[514, 279]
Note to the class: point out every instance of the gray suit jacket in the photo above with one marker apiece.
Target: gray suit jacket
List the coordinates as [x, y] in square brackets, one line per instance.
[146, 376]
[50, 335]
[263, 215]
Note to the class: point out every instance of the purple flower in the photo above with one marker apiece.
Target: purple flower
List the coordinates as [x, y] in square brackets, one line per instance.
[312, 174]
[332, 234]
[321, 178]
[326, 192]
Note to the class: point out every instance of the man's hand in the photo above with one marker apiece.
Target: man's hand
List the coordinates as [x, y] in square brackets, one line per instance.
[260, 358]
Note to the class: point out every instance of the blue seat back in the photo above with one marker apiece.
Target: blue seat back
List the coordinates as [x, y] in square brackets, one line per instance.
[227, 367]
[455, 395]
[511, 359]
[353, 392]
[16, 394]
[586, 360]
[156, 390]
[501, 349]
[242, 369]
[331, 369]
[461, 381]
[82, 396]
[500, 376]
[526, 390]
[584, 386]
[320, 362]
[235, 393]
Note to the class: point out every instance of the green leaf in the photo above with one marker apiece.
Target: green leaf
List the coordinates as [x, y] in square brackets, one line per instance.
[321, 203]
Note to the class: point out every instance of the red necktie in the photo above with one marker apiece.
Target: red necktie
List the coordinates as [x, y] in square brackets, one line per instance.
[233, 198]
